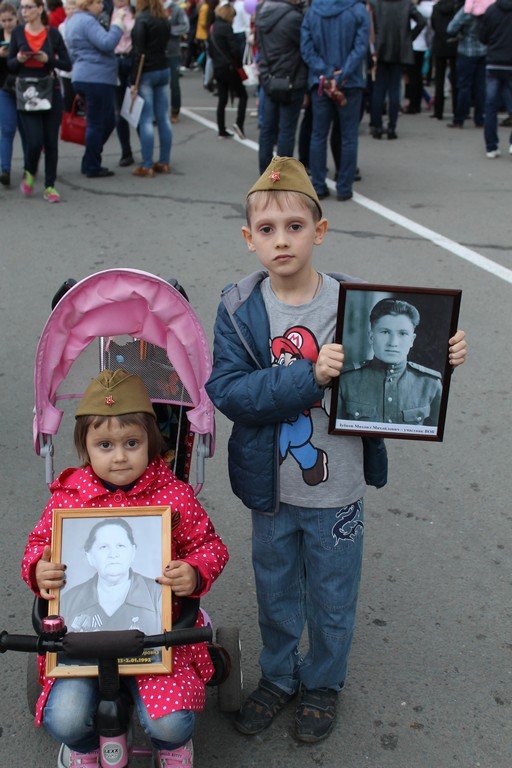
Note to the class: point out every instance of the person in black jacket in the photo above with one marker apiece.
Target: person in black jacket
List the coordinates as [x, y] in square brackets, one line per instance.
[393, 49]
[36, 50]
[224, 51]
[150, 37]
[496, 34]
[278, 24]
[444, 53]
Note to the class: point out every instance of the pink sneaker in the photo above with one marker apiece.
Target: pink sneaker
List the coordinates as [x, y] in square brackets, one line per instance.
[27, 184]
[81, 759]
[183, 757]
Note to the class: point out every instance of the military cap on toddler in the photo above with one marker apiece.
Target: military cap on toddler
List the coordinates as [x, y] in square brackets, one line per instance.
[288, 175]
[114, 393]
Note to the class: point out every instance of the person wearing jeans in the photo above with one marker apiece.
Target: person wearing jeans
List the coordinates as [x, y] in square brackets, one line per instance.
[325, 110]
[334, 45]
[495, 31]
[278, 25]
[471, 55]
[94, 76]
[150, 37]
[154, 89]
[180, 26]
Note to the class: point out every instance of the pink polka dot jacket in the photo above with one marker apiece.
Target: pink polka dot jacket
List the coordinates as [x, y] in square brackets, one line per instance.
[194, 540]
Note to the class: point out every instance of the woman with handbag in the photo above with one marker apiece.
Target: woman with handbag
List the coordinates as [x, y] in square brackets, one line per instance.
[150, 37]
[35, 51]
[227, 60]
[94, 77]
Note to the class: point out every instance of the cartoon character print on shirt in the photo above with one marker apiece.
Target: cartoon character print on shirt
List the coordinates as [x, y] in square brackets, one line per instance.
[295, 435]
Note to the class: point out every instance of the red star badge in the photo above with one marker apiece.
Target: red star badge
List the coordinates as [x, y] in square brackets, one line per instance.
[109, 400]
[275, 176]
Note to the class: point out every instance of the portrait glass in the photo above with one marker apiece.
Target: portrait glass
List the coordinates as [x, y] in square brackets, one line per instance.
[113, 557]
[396, 375]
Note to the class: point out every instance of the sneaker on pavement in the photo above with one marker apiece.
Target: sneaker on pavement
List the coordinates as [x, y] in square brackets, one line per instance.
[183, 757]
[239, 132]
[27, 184]
[84, 760]
[51, 195]
[493, 153]
[260, 709]
[316, 714]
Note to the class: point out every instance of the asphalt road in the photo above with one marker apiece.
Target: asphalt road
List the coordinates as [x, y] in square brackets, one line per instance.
[430, 673]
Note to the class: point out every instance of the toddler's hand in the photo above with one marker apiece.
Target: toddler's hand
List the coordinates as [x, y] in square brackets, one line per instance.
[458, 349]
[49, 575]
[181, 577]
[329, 363]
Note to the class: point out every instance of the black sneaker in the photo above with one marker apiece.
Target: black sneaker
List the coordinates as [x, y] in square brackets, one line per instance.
[225, 135]
[316, 714]
[392, 134]
[323, 195]
[377, 133]
[346, 196]
[259, 710]
[5, 179]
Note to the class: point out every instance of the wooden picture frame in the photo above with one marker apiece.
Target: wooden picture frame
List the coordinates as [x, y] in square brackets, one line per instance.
[404, 392]
[99, 548]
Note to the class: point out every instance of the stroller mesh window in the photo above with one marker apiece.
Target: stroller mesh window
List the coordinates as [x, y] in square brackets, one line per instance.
[151, 364]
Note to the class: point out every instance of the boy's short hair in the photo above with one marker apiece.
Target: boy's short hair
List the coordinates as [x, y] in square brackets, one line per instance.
[283, 199]
[394, 307]
[144, 420]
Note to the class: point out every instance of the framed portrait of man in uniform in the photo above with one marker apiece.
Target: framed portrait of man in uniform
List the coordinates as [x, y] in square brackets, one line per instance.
[396, 374]
[112, 558]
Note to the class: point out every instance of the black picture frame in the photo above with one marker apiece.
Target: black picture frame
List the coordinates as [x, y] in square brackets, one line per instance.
[404, 394]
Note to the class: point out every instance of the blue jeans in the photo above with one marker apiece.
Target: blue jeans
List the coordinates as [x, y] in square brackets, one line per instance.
[307, 567]
[101, 121]
[279, 125]
[69, 716]
[324, 112]
[470, 85]
[41, 129]
[495, 85]
[154, 89]
[387, 82]
[174, 70]
[8, 123]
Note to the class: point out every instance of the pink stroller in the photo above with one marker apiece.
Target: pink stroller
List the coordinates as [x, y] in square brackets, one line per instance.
[145, 325]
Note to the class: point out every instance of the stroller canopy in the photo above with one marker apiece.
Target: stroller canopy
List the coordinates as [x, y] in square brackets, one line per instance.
[118, 302]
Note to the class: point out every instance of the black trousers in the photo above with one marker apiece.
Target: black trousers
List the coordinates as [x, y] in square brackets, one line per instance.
[441, 64]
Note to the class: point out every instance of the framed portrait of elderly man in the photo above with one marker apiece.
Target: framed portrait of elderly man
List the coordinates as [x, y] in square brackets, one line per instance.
[113, 557]
[396, 375]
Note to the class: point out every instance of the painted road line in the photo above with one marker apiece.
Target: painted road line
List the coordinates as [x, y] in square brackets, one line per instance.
[473, 257]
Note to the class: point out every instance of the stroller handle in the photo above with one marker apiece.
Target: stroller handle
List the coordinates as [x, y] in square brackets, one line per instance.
[103, 645]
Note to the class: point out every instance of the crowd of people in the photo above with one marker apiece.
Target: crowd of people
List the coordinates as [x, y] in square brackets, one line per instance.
[321, 67]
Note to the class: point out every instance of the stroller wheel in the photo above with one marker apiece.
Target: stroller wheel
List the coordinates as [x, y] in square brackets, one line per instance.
[33, 686]
[230, 690]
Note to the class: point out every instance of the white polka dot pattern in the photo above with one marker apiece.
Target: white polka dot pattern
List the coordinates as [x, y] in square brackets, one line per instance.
[194, 540]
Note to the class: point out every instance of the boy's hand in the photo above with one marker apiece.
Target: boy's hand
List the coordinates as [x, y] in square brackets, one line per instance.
[329, 364]
[458, 349]
[49, 575]
[181, 577]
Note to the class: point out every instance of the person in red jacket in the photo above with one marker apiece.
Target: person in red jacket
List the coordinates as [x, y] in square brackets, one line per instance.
[117, 437]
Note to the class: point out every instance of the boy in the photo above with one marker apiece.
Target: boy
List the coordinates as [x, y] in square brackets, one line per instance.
[389, 388]
[273, 360]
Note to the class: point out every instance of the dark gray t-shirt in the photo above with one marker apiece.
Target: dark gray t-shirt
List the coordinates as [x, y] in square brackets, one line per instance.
[317, 469]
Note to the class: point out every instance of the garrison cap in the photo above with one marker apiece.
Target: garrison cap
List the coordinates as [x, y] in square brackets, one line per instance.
[114, 393]
[287, 175]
